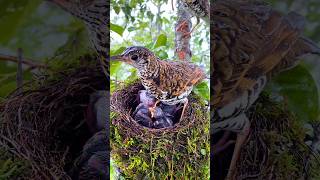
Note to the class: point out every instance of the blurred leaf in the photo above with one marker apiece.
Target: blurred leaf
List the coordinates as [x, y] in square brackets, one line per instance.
[130, 29]
[162, 54]
[203, 152]
[116, 9]
[161, 41]
[6, 88]
[116, 28]
[12, 14]
[299, 90]
[114, 67]
[76, 45]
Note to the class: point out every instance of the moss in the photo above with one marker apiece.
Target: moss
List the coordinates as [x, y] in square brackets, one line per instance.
[171, 153]
[12, 167]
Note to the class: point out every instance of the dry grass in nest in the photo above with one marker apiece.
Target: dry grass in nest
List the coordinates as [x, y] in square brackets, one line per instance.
[44, 124]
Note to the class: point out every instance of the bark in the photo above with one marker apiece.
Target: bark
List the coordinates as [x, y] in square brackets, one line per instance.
[182, 39]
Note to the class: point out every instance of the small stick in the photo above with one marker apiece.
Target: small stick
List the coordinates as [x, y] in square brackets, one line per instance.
[27, 62]
[19, 71]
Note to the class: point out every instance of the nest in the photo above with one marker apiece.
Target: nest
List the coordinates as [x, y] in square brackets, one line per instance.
[275, 148]
[174, 152]
[44, 125]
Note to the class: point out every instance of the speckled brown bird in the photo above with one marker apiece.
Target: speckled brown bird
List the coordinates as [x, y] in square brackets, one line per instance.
[170, 82]
[250, 43]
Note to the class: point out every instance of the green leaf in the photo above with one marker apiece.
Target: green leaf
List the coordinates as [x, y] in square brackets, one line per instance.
[116, 28]
[116, 9]
[118, 51]
[163, 55]
[202, 90]
[161, 41]
[114, 67]
[203, 152]
[130, 29]
[299, 90]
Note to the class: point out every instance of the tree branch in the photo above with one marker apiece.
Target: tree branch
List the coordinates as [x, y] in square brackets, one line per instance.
[182, 38]
[27, 62]
[19, 71]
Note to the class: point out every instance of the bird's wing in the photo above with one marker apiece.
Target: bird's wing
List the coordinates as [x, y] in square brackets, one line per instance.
[177, 77]
[249, 40]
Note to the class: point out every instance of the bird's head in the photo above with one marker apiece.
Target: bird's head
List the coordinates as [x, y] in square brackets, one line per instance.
[137, 56]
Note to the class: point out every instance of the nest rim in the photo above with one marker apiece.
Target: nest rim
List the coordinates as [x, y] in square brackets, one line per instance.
[123, 111]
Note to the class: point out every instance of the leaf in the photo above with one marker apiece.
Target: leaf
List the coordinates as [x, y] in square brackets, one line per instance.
[118, 51]
[114, 67]
[116, 9]
[161, 41]
[163, 55]
[130, 29]
[202, 90]
[12, 15]
[299, 90]
[203, 152]
[116, 28]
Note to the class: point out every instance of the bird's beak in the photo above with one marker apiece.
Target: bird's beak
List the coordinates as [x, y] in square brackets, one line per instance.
[117, 58]
[121, 58]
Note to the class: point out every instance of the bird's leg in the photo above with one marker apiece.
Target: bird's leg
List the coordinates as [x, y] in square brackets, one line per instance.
[241, 138]
[152, 109]
[185, 103]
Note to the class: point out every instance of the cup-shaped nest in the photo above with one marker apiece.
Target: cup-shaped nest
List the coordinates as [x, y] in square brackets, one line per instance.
[275, 147]
[177, 152]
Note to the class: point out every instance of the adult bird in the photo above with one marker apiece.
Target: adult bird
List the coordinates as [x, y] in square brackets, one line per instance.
[250, 43]
[95, 15]
[170, 82]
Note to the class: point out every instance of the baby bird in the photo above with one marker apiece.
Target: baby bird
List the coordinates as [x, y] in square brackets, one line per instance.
[163, 119]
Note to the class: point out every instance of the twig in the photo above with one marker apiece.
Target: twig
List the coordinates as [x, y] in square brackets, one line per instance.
[28, 62]
[19, 71]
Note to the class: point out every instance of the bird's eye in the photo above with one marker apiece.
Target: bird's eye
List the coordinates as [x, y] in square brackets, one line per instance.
[134, 57]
